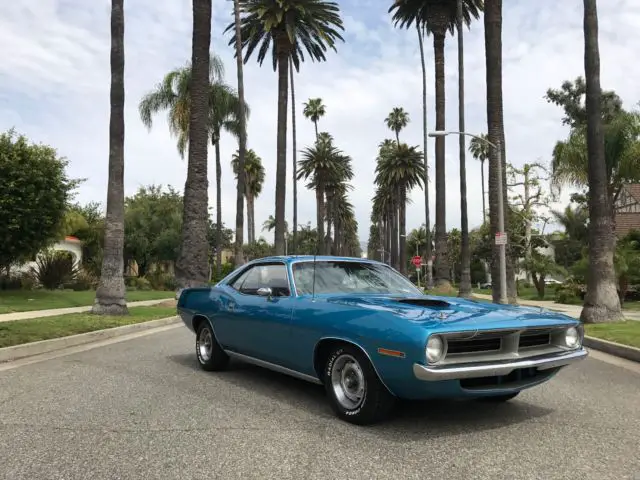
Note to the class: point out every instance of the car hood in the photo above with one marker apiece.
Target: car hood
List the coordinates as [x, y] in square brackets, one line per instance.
[454, 313]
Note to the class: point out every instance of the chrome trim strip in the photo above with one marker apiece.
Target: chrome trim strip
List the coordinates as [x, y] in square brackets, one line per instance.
[273, 367]
[433, 374]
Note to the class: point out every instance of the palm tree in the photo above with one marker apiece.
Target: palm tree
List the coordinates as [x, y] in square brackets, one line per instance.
[192, 264]
[397, 120]
[429, 277]
[242, 139]
[480, 151]
[294, 243]
[324, 166]
[287, 26]
[495, 129]
[465, 249]
[437, 17]
[253, 181]
[314, 110]
[110, 295]
[601, 302]
[400, 168]
[173, 94]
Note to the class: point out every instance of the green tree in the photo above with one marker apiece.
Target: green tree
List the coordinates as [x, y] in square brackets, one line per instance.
[34, 193]
[110, 294]
[153, 222]
[91, 232]
[253, 181]
[397, 119]
[314, 110]
[290, 28]
[437, 17]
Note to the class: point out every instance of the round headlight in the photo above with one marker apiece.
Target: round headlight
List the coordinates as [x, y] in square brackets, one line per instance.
[435, 349]
[572, 337]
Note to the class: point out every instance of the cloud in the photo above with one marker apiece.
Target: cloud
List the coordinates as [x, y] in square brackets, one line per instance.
[54, 87]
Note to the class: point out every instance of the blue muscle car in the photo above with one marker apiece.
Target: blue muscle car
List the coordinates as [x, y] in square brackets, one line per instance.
[368, 335]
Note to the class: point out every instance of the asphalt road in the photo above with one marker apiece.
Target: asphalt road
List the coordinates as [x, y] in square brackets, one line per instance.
[142, 409]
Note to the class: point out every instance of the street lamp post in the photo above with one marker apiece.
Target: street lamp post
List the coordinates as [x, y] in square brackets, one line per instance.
[503, 238]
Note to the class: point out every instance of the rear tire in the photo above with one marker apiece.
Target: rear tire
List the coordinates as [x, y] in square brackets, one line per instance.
[355, 392]
[210, 355]
[499, 398]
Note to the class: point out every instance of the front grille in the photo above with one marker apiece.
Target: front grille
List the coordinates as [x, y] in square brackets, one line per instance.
[534, 340]
[517, 378]
[475, 345]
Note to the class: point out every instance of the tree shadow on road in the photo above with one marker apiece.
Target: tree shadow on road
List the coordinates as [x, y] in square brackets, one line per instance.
[410, 420]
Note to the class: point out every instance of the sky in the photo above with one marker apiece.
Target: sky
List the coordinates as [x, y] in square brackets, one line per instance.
[54, 88]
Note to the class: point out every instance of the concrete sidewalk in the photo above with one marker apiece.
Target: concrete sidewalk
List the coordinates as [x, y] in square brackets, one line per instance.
[571, 310]
[9, 317]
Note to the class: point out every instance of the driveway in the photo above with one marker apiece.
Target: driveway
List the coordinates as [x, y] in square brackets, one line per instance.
[142, 409]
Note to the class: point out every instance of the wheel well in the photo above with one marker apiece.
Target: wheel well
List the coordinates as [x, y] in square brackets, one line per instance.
[324, 349]
[197, 321]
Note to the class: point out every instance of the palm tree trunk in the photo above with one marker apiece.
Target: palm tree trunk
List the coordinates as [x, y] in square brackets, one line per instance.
[110, 295]
[381, 237]
[429, 276]
[394, 235]
[495, 123]
[398, 137]
[465, 249]
[329, 218]
[403, 230]
[251, 201]
[320, 219]
[218, 208]
[601, 302]
[315, 124]
[191, 265]
[484, 207]
[388, 232]
[242, 142]
[281, 147]
[294, 245]
[441, 267]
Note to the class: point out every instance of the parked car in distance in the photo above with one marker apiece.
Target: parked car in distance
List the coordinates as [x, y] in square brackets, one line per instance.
[368, 335]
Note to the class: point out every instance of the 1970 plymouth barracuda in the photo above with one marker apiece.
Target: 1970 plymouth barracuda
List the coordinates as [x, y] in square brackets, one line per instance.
[368, 335]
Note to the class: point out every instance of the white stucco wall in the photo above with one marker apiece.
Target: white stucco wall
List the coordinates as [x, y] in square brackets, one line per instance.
[69, 244]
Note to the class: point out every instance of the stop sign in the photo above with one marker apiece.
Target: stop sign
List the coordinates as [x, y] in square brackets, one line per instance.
[417, 261]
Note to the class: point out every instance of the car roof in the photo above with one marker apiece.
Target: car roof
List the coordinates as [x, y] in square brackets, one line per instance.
[310, 258]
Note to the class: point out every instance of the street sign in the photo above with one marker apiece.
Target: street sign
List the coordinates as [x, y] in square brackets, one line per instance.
[501, 238]
[417, 261]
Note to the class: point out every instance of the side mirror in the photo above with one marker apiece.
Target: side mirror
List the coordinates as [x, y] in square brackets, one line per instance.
[265, 292]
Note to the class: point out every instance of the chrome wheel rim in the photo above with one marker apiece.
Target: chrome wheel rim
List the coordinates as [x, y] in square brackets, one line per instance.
[347, 381]
[205, 345]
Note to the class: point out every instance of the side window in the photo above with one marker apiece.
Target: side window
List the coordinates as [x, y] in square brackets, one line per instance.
[237, 283]
[273, 276]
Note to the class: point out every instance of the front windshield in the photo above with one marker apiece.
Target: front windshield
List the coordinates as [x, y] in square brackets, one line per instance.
[349, 277]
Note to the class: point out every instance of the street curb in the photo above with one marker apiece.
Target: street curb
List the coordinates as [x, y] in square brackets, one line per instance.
[612, 348]
[16, 352]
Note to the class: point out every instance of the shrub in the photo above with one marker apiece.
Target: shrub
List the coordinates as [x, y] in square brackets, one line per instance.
[10, 282]
[226, 269]
[84, 281]
[570, 292]
[137, 283]
[54, 269]
[161, 281]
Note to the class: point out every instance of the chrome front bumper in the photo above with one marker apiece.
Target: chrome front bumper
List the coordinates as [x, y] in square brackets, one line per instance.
[494, 369]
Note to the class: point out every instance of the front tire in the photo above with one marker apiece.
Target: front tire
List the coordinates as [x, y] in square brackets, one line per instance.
[210, 355]
[355, 392]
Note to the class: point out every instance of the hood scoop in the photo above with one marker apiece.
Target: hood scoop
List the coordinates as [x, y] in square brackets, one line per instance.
[425, 302]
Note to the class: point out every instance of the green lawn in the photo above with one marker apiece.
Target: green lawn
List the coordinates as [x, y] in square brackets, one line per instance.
[28, 300]
[26, 331]
[627, 333]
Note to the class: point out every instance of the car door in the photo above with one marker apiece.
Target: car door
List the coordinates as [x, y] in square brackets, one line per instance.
[259, 324]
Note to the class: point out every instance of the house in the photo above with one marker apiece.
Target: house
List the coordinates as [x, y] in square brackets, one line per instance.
[70, 244]
[628, 210]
